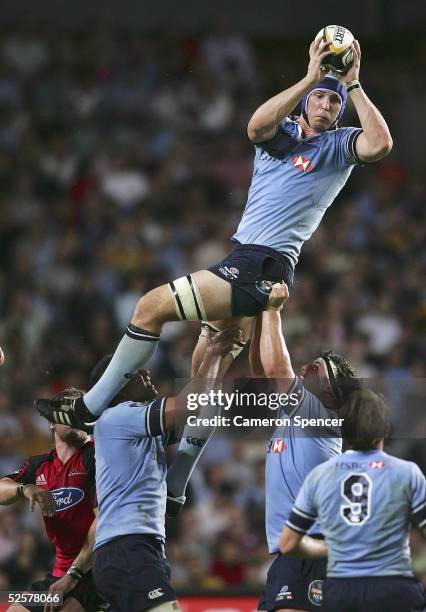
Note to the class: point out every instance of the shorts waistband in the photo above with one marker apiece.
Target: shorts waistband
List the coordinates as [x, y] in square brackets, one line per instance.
[265, 249]
[156, 541]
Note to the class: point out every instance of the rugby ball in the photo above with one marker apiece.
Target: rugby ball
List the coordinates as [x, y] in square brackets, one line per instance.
[341, 56]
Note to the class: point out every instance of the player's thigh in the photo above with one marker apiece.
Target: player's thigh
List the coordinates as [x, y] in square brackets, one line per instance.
[243, 323]
[209, 297]
[215, 294]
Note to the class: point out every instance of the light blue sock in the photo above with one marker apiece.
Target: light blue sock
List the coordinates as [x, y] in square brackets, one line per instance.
[136, 347]
[192, 444]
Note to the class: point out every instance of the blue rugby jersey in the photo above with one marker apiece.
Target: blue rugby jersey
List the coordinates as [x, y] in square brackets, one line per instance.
[294, 181]
[130, 471]
[292, 454]
[365, 502]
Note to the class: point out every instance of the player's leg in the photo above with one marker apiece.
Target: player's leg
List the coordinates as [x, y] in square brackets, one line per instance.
[188, 452]
[195, 297]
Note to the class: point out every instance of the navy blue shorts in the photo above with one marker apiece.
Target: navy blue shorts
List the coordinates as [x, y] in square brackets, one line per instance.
[132, 573]
[294, 583]
[84, 592]
[385, 593]
[251, 269]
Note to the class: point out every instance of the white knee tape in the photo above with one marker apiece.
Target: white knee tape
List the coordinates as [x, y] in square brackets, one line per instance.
[188, 301]
[168, 606]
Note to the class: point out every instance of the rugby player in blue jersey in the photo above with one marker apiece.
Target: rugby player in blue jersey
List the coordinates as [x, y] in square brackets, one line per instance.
[299, 168]
[317, 393]
[129, 565]
[366, 501]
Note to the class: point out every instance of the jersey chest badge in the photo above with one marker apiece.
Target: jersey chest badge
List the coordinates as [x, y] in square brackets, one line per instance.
[302, 163]
[277, 445]
[41, 480]
[66, 497]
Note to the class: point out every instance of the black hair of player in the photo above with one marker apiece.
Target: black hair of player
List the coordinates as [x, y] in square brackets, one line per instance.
[366, 420]
[345, 382]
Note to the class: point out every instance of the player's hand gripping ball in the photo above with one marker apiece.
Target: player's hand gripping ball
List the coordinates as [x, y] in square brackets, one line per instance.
[341, 55]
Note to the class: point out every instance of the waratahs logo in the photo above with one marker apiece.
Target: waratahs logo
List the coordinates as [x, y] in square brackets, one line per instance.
[67, 497]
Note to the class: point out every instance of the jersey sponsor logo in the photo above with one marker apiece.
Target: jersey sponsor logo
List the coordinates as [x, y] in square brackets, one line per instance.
[315, 592]
[72, 473]
[301, 163]
[41, 480]
[377, 465]
[264, 286]
[229, 272]
[277, 445]
[284, 594]
[155, 593]
[66, 497]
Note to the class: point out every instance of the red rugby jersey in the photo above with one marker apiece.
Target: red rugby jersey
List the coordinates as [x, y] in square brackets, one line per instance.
[73, 486]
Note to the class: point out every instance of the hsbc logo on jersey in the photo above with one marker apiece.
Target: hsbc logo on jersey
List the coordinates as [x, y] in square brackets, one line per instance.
[377, 465]
[67, 497]
[277, 445]
[301, 163]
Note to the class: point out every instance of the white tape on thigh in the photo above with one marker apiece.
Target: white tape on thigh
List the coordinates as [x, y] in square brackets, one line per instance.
[168, 606]
[189, 305]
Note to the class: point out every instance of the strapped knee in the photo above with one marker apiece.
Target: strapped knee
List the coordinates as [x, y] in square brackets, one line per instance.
[188, 301]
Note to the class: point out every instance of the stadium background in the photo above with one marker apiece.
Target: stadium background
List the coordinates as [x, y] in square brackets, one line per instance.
[124, 163]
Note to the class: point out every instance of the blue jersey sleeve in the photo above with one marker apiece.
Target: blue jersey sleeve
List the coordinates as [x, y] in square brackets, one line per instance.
[345, 146]
[418, 497]
[284, 140]
[135, 419]
[304, 512]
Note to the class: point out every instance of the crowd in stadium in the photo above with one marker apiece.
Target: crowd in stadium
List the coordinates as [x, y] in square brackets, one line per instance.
[124, 163]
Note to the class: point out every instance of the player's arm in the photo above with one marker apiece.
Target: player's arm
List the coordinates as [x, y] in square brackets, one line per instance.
[81, 564]
[418, 498]
[293, 539]
[274, 354]
[209, 375]
[264, 123]
[12, 491]
[299, 545]
[375, 141]
[256, 367]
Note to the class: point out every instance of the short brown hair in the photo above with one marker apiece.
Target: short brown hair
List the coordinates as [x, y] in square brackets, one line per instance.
[366, 420]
